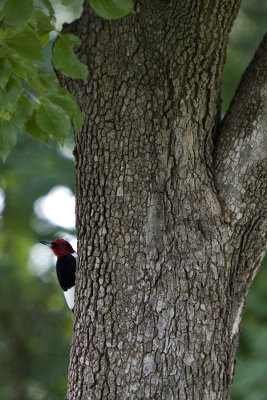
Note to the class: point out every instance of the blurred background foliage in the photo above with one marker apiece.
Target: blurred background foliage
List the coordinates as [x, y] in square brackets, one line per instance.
[35, 324]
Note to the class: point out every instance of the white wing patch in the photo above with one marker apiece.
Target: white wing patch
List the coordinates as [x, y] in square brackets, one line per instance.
[70, 296]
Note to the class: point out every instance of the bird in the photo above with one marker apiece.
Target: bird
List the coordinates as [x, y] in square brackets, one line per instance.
[65, 267]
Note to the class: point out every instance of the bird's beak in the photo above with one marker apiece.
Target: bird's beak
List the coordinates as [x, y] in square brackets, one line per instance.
[49, 244]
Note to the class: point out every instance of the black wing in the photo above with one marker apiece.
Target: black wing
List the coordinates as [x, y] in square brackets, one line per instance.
[66, 267]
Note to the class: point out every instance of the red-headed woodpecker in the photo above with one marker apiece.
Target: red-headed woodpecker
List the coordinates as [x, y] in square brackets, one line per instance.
[65, 266]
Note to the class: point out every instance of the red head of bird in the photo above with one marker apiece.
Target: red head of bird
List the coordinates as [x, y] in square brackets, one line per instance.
[60, 247]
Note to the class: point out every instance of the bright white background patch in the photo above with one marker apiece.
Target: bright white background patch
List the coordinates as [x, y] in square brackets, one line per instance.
[41, 259]
[2, 200]
[58, 207]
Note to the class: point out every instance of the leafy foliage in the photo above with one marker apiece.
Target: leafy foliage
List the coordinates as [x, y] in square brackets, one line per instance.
[65, 60]
[26, 93]
[17, 12]
[28, 32]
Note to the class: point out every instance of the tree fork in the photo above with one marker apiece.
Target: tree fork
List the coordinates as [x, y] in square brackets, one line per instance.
[165, 262]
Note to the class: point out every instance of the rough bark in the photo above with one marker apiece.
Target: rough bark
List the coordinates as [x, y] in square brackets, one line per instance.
[170, 228]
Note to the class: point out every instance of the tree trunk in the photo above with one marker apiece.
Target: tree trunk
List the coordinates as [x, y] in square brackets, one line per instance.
[170, 203]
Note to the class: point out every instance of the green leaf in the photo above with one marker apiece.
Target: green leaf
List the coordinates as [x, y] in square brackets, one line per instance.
[20, 67]
[2, 34]
[68, 103]
[53, 120]
[34, 130]
[25, 44]
[112, 9]
[7, 138]
[5, 69]
[17, 12]
[65, 60]
[44, 40]
[10, 95]
[24, 110]
[50, 82]
[42, 22]
[5, 115]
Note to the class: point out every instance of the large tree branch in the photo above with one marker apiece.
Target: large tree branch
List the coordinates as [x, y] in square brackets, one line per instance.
[241, 149]
[240, 172]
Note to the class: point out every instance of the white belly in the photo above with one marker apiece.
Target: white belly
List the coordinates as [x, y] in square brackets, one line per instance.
[69, 296]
